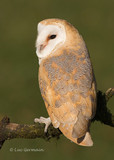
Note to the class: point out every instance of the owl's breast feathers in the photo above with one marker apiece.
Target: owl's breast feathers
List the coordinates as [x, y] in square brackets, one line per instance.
[68, 88]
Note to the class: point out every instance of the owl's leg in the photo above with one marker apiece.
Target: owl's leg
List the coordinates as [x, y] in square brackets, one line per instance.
[47, 122]
[55, 123]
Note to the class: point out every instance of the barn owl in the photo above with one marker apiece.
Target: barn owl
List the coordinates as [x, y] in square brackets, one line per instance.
[66, 80]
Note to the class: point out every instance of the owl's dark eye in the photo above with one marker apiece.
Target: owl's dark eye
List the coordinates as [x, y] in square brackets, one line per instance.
[52, 36]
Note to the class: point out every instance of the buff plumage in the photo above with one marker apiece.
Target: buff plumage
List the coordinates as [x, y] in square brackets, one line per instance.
[66, 81]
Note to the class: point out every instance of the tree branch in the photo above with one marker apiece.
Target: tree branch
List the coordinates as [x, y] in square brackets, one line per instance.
[103, 114]
[12, 130]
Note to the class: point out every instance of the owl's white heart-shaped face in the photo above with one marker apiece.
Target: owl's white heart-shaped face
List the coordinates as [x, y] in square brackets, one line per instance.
[50, 38]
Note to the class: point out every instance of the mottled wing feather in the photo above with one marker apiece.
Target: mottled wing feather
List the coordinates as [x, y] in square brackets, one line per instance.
[68, 88]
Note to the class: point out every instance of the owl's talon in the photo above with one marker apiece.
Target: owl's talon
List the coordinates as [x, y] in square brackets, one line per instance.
[47, 122]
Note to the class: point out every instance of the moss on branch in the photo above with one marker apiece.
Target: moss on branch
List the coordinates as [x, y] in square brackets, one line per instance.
[12, 130]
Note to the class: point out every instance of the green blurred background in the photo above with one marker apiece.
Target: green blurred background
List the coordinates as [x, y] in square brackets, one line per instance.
[20, 97]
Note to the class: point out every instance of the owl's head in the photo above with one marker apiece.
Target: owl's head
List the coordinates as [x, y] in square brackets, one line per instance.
[52, 34]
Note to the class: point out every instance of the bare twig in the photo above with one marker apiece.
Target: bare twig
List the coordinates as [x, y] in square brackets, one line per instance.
[109, 93]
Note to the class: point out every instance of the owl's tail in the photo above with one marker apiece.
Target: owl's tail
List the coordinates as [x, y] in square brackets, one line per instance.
[83, 141]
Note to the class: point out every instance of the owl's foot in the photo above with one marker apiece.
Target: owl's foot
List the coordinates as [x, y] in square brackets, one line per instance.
[47, 122]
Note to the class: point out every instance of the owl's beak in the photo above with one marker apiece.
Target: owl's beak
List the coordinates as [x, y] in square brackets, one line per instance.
[42, 46]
